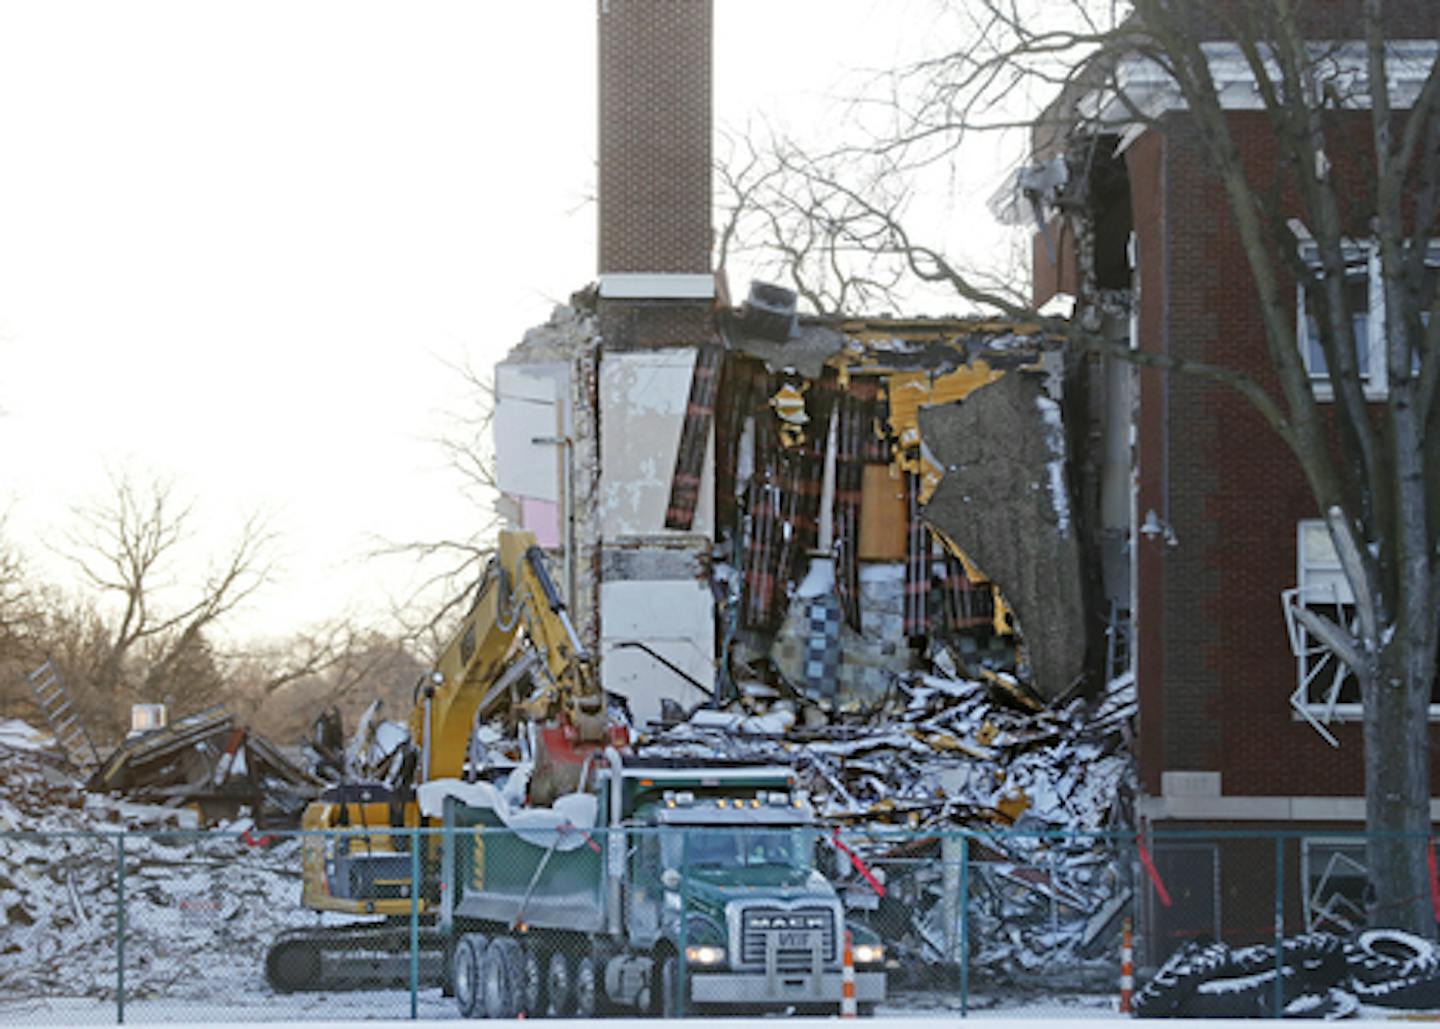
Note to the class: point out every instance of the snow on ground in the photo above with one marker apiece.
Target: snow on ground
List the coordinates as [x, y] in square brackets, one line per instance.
[344, 1017]
[22, 735]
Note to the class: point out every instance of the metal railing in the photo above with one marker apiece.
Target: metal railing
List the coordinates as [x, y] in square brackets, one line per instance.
[135, 927]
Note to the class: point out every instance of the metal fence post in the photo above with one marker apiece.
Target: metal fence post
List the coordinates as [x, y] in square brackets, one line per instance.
[415, 842]
[682, 987]
[964, 924]
[1279, 926]
[120, 931]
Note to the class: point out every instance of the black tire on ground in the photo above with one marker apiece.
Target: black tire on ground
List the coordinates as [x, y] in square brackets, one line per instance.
[1395, 969]
[557, 985]
[293, 965]
[585, 986]
[500, 970]
[1412, 992]
[1172, 985]
[1233, 996]
[1327, 1005]
[1399, 947]
[465, 975]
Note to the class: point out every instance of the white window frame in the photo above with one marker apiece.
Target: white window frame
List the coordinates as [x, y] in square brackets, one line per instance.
[1320, 674]
[1377, 376]
[1375, 382]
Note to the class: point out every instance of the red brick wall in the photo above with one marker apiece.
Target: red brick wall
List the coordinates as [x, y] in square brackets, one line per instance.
[1216, 671]
[654, 136]
[1318, 19]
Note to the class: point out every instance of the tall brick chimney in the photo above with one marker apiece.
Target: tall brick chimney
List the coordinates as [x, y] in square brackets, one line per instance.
[655, 155]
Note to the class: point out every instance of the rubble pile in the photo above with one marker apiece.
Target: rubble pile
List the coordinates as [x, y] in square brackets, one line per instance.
[1037, 787]
[200, 909]
[209, 762]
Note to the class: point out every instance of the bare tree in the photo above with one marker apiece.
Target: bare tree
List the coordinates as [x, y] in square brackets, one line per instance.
[454, 563]
[283, 687]
[1360, 170]
[156, 628]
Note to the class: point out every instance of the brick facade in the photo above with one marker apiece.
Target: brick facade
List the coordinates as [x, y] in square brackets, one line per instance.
[1214, 664]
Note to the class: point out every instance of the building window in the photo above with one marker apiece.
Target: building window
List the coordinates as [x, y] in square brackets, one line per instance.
[1365, 296]
[1326, 688]
[1326, 691]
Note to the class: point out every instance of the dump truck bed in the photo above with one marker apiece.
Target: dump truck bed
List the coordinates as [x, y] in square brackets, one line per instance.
[548, 878]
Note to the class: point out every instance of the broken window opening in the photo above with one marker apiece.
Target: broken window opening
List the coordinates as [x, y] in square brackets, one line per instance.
[1327, 691]
[1333, 871]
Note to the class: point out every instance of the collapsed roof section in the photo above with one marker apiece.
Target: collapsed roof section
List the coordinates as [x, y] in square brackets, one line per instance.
[212, 763]
[845, 497]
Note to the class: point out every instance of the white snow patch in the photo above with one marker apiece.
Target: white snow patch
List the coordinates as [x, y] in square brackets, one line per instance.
[23, 736]
[1055, 467]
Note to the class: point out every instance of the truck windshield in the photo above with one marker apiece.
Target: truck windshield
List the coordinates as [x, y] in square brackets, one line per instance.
[714, 846]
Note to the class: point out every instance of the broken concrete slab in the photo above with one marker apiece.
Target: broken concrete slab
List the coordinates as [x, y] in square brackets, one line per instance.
[1004, 501]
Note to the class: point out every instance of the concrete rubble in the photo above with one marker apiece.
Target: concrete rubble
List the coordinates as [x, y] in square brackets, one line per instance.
[1041, 790]
[200, 908]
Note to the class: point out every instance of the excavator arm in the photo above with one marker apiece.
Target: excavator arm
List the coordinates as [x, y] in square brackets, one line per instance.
[515, 656]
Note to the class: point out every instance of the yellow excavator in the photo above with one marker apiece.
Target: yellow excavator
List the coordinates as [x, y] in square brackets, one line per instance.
[515, 658]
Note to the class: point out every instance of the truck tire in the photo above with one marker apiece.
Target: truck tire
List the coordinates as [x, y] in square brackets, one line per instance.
[465, 975]
[585, 986]
[500, 970]
[532, 980]
[557, 985]
[667, 1004]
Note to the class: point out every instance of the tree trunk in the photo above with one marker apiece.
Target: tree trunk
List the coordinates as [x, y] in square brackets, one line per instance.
[1397, 795]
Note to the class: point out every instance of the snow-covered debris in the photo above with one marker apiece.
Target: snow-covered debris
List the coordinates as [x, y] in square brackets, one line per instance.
[18, 735]
[1038, 789]
[209, 761]
[200, 908]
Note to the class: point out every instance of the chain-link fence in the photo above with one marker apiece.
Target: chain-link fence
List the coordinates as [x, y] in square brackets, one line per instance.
[159, 927]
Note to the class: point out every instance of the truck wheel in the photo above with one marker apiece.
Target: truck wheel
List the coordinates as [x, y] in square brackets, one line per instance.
[586, 987]
[532, 981]
[668, 1004]
[557, 984]
[500, 977]
[465, 975]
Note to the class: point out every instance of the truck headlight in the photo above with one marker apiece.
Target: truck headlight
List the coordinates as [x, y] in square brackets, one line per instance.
[705, 954]
[869, 954]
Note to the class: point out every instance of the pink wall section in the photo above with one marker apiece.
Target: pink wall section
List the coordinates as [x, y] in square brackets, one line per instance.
[542, 517]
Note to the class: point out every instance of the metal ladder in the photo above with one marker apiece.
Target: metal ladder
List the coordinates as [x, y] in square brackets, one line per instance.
[55, 704]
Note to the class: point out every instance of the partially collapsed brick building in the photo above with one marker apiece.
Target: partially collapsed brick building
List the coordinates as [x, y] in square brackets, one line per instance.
[1245, 721]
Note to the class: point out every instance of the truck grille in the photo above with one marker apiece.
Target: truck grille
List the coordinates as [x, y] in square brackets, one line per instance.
[793, 930]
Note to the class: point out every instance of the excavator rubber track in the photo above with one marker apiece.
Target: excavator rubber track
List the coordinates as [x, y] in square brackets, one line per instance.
[353, 957]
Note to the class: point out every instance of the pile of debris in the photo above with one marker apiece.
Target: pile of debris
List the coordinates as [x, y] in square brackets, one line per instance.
[211, 763]
[198, 907]
[1040, 790]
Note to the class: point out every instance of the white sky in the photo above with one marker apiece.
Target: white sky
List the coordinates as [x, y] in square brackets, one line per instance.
[239, 241]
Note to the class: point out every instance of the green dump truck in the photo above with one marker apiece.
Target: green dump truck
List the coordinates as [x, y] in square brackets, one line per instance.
[663, 887]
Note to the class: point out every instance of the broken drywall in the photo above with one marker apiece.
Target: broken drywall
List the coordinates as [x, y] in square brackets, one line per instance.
[1004, 500]
[643, 396]
[564, 351]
